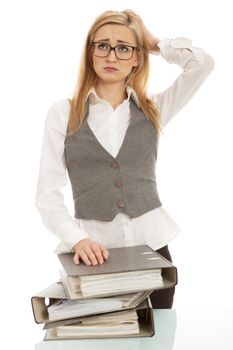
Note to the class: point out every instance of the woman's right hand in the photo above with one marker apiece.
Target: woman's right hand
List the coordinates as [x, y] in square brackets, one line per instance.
[90, 252]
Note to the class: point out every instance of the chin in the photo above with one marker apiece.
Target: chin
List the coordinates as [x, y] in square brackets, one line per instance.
[111, 80]
[114, 77]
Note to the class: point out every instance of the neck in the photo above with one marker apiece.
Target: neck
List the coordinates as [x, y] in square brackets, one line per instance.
[114, 94]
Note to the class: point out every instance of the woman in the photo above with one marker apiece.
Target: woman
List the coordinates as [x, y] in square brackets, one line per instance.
[106, 138]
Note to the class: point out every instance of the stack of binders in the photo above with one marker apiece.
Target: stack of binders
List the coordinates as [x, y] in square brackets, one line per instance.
[104, 301]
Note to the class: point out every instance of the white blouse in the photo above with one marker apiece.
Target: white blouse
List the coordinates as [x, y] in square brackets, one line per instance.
[155, 228]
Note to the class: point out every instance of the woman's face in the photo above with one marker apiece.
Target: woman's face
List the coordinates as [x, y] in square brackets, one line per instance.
[111, 69]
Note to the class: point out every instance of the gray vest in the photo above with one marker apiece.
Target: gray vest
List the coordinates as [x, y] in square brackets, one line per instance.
[104, 185]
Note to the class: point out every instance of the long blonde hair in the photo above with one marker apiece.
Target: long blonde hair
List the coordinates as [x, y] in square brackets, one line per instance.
[137, 79]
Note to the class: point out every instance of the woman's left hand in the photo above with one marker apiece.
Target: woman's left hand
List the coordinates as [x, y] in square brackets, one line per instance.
[152, 41]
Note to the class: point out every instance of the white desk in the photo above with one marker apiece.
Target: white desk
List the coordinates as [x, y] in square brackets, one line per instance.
[174, 330]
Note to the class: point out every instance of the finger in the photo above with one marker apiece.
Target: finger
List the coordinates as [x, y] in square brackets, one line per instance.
[76, 258]
[92, 256]
[98, 253]
[85, 258]
[105, 253]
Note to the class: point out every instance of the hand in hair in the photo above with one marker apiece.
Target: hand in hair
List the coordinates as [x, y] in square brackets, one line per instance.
[152, 41]
[90, 252]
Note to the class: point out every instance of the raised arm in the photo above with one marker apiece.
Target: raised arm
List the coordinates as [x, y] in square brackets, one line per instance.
[195, 63]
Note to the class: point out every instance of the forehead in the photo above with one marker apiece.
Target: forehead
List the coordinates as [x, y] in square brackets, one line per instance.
[114, 33]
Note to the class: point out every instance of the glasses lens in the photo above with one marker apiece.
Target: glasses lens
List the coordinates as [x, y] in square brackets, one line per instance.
[101, 49]
[123, 52]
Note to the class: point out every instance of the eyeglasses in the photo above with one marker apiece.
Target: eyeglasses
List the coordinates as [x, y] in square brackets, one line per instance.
[122, 52]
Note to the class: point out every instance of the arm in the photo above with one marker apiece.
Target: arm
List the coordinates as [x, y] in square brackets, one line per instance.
[196, 65]
[52, 178]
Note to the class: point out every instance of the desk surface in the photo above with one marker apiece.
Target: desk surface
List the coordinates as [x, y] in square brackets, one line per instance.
[174, 330]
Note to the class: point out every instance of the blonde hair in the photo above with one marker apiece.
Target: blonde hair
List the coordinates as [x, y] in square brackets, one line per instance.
[137, 79]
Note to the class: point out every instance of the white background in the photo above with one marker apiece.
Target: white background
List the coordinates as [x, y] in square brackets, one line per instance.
[41, 42]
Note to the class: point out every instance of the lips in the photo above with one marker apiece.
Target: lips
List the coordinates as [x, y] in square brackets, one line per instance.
[110, 69]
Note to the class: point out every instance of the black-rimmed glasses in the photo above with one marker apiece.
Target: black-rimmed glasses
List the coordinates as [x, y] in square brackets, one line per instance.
[122, 51]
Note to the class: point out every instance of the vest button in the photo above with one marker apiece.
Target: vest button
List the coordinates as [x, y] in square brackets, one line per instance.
[115, 165]
[120, 204]
[118, 184]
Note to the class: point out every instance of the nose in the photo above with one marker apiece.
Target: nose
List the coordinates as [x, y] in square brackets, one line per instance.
[111, 56]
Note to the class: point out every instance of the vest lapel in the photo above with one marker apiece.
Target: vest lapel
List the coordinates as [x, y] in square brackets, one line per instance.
[135, 114]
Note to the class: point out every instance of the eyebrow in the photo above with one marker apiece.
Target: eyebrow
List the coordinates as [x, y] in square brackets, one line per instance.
[118, 41]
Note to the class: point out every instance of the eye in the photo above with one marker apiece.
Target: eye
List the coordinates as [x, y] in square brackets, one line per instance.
[122, 48]
[102, 46]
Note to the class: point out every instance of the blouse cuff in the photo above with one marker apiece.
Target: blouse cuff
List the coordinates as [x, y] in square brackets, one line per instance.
[180, 51]
[70, 233]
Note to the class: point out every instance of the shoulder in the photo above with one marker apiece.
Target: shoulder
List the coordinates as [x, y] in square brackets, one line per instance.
[58, 114]
[60, 107]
